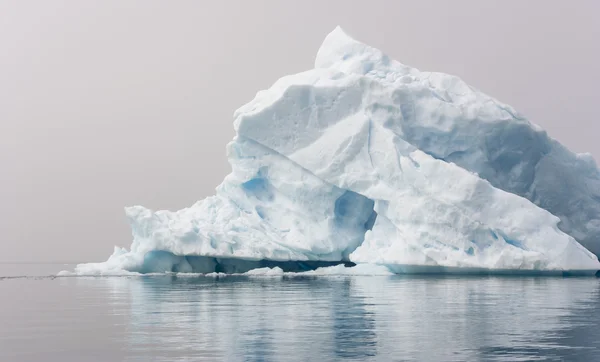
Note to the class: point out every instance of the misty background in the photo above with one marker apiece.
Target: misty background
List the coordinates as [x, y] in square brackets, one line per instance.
[105, 104]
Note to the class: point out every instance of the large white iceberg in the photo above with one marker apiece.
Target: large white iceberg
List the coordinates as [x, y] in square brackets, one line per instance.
[366, 160]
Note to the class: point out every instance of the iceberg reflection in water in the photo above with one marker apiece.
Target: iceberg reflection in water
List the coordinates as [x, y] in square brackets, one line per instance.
[378, 318]
[238, 318]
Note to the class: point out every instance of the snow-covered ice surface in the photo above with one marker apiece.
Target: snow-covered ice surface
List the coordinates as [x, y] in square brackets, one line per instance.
[335, 270]
[366, 160]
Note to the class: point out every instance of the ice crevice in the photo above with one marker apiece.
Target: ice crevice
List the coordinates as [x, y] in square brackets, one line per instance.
[159, 261]
[365, 160]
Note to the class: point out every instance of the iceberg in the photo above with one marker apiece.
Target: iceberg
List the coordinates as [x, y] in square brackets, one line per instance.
[364, 160]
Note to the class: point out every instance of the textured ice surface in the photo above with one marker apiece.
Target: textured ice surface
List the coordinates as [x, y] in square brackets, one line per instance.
[367, 160]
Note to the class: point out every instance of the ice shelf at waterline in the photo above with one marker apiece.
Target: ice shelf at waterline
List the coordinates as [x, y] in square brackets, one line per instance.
[366, 160]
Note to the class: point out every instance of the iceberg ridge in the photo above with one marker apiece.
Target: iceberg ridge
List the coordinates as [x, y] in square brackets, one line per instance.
[365, 160]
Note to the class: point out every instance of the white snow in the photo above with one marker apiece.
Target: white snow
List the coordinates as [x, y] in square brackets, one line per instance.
[337, 270]
[367, 160]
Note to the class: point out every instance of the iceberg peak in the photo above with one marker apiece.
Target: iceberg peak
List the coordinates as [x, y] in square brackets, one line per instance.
[366, 160]
[336, 45]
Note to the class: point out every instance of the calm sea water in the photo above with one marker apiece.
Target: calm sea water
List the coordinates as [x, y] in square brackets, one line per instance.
[397, 318]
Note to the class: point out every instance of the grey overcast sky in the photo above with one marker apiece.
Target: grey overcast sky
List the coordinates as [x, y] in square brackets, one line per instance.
[105, 104]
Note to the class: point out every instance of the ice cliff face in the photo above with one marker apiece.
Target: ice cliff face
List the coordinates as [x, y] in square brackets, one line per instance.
[367, 160]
